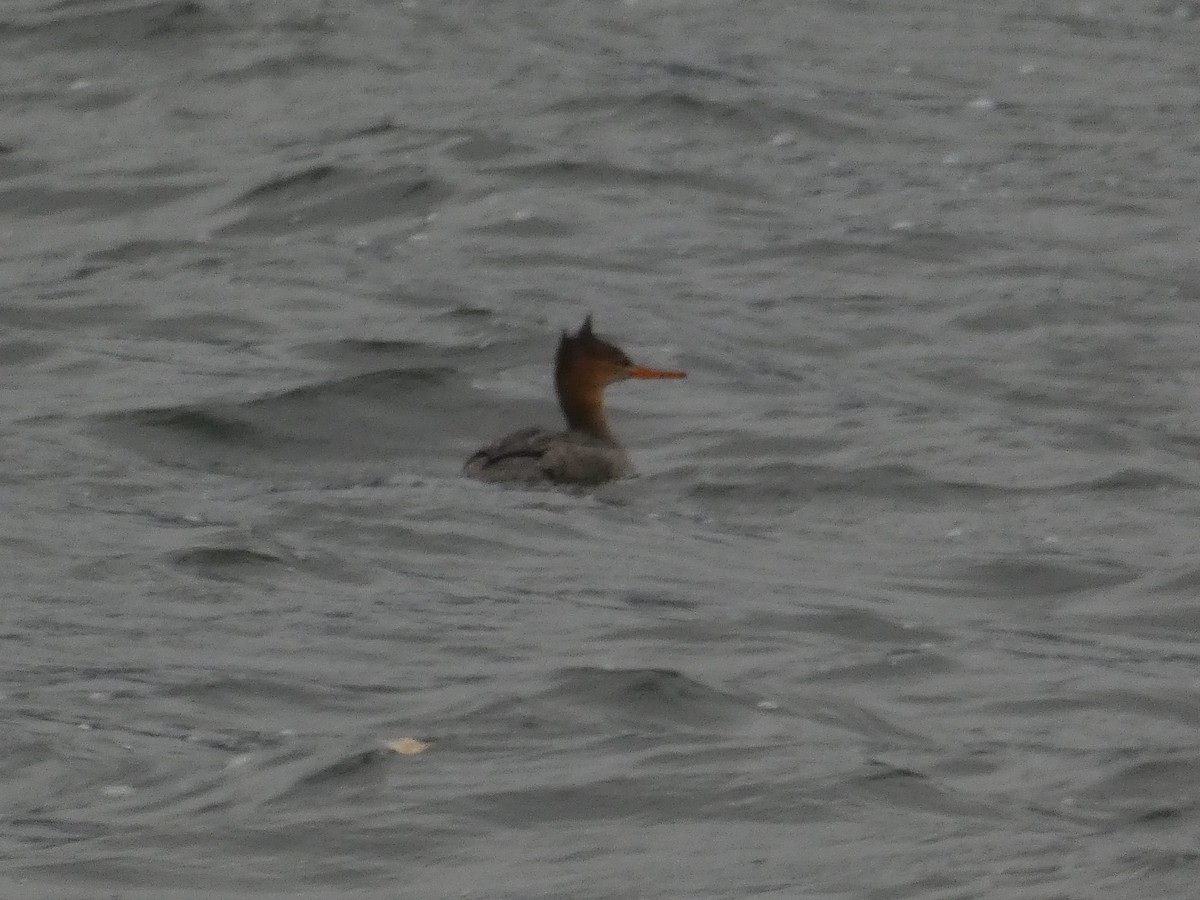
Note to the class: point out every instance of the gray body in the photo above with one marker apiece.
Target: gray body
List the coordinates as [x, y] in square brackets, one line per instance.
[538, 455]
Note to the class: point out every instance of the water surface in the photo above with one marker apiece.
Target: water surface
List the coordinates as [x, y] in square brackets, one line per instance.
[903, 603]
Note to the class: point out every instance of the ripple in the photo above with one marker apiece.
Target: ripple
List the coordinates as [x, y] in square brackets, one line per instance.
[574, 173]
[1153, 790]
[788, 482]
[226, 563]
[328, 196]
[95, 201]
[651, 698]
[241, 563]
[19, 352]
[1039, 576]
[353, 419]
[122, 25]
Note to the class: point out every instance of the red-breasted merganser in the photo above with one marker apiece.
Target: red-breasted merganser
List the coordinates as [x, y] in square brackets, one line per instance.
[587, 452]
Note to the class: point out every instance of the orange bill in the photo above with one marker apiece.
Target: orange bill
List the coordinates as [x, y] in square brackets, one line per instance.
[643, 372]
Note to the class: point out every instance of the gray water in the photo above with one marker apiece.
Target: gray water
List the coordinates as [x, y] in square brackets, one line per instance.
[904, 602]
